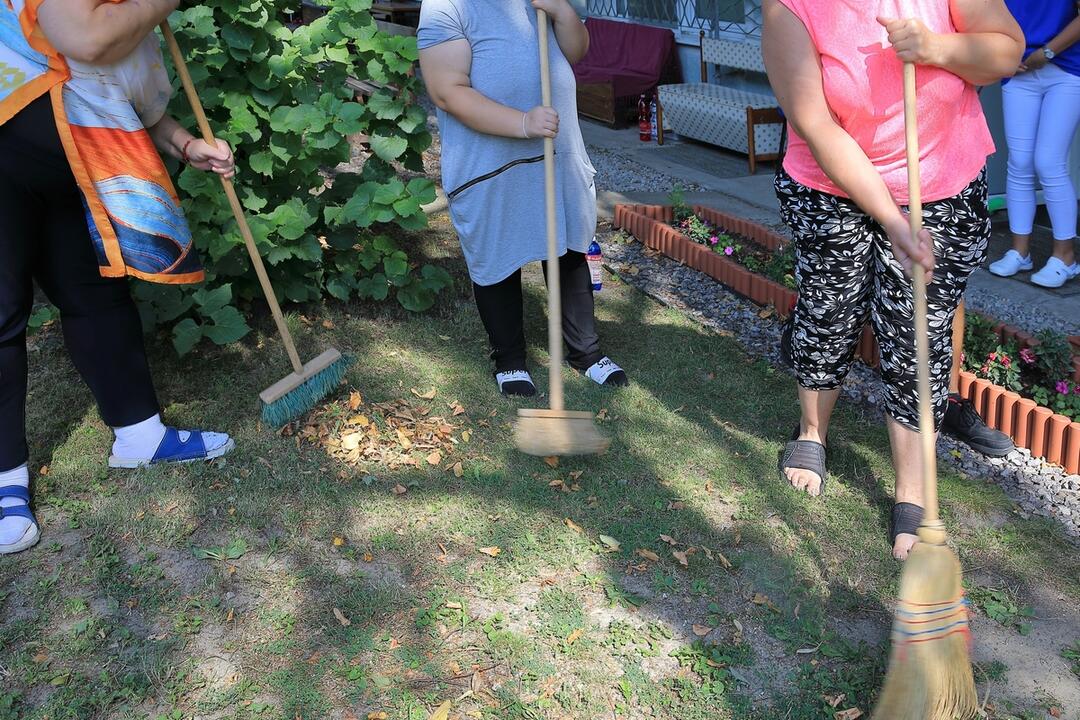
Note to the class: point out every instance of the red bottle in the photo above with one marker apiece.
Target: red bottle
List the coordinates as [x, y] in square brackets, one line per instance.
[644, 120]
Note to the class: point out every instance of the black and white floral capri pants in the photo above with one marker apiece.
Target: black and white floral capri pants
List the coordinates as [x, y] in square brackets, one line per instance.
[846, 272]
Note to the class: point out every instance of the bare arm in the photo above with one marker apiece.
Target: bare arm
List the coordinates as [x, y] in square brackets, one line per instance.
[987, 46]
[1064, 40]
[98, 32]
[446, 69]
[795, 74]
[570, 33]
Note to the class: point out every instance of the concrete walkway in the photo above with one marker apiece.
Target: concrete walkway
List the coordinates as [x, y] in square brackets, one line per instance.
[728, 187]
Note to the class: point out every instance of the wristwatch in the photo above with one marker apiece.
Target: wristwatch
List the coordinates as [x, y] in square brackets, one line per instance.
[1050, 54]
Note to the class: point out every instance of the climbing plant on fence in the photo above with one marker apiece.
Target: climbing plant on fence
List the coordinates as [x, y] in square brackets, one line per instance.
[279, 97]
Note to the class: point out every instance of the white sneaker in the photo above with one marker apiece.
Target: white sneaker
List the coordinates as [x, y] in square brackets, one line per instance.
[1055, 273]
[1011, 263]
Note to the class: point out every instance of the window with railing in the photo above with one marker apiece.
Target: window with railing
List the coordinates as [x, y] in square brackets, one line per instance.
[718, 18]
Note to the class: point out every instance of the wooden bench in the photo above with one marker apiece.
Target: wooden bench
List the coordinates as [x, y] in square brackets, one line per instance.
[738, 116]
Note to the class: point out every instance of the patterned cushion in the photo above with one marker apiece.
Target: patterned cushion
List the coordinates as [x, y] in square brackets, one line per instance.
[720, 94]
[717, 115]
[742, 55]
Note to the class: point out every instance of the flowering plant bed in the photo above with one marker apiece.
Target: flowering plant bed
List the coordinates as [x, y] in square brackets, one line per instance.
[1042, 427]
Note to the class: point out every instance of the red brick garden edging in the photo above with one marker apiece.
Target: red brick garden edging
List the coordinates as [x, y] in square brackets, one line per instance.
[1032, 426]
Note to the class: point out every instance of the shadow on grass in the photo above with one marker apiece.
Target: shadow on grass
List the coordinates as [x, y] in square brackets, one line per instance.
[693, 458]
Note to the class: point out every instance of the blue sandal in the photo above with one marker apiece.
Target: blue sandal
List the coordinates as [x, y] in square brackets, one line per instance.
[30, 537]
[174, 450]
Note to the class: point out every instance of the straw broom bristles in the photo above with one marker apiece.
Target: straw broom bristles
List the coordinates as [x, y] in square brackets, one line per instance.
[930, 675]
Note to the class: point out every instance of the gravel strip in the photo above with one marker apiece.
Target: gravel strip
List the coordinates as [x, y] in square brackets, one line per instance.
[1019, 314]
[617, 173]
[1038, 489]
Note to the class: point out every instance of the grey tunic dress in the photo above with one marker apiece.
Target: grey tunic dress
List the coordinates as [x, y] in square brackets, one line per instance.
[496, 185]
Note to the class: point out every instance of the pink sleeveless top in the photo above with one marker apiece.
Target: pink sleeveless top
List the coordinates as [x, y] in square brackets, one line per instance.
[863, 82]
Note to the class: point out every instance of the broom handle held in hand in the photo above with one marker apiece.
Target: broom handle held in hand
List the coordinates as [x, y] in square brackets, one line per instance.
[555, 342]
[927, 432]
[234, 201]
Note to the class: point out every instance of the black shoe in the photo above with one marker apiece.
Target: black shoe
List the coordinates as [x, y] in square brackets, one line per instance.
[964, 424]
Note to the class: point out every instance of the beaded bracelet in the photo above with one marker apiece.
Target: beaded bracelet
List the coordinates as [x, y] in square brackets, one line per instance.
[183, 152]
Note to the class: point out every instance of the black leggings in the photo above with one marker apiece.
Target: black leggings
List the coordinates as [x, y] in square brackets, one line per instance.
[44, 237]
[502, 312]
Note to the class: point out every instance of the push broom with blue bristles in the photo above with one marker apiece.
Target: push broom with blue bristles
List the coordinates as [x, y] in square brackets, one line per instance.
[308, 384]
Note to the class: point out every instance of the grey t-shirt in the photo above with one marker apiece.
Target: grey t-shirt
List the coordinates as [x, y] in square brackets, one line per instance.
[495, 184]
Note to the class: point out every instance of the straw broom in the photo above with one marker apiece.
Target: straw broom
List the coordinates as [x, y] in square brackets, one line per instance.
[929, 675]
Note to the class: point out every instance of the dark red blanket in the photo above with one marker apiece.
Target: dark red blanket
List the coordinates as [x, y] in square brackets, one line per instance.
[631, 57]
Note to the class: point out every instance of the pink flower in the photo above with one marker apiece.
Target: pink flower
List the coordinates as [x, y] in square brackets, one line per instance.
[992, 357]
[1062, 387]
[713, 240]
[729, 250]
[1028, 356]
[1006, 361]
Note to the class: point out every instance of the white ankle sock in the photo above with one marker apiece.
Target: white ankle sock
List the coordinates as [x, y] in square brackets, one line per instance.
[13, 528]
[141, 440]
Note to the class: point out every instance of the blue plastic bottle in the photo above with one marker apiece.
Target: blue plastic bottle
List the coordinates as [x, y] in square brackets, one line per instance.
[596, 265]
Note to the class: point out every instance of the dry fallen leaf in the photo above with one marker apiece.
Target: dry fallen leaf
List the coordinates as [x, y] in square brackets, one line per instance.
[681, 557]
[761, 599]
[648, 554]
[766, 313]
[229, 616]
[492, 551]
[574, 526]
[466, 436]
[451, 605]
[338, 541]
[457, 409]
[679, 505]
[834, 700]
[458, 470]
[575, 636]
[429, 395]
[380, 715]
[400, 489]
[443, 713]
[611, 543]
[394, 644]
[345, 622]
[669, 540]
[368, 557]
[434, 458]
[849, 714]
[701, 630]
[552, 461]
[355, 400]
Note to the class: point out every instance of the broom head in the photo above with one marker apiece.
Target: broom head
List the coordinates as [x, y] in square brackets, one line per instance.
[297, 393]
[930, 675]
[545, 433]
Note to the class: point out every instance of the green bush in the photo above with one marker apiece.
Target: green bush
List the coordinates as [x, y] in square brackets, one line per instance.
[279, 97]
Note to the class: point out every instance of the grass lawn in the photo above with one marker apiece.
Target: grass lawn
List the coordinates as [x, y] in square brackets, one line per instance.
[393, 552]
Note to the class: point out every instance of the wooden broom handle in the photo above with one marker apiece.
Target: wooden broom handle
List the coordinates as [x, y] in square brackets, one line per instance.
[234, 201]
[927, 432]
[555, 341]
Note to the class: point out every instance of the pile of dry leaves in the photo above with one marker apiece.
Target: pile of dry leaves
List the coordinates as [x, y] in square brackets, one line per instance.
[407, 432]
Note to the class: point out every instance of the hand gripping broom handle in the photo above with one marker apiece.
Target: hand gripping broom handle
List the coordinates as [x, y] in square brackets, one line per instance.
[234, 201]
[555, 341]
[927, 431]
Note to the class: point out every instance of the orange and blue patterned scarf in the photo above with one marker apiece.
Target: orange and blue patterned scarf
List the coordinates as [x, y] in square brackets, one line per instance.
[132, 209]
